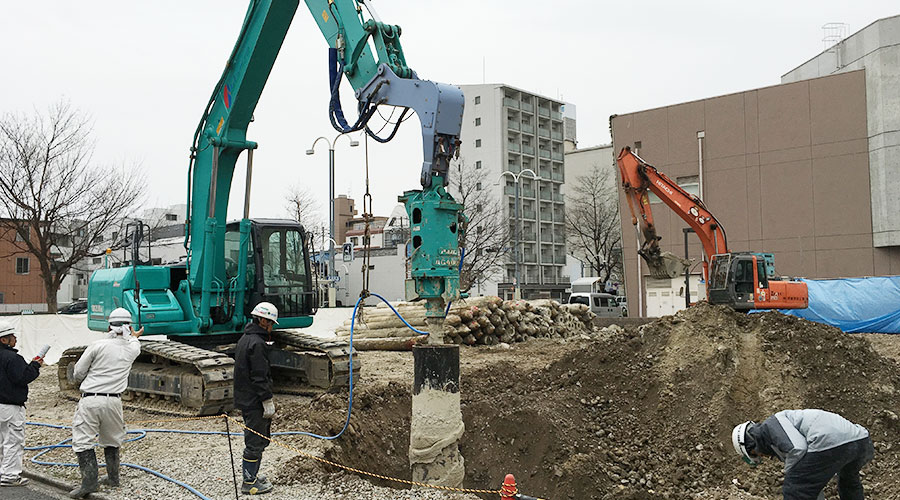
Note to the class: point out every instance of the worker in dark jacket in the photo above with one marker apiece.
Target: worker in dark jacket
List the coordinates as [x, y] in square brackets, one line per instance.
[815, 445]
[15, 375]
[253, 393]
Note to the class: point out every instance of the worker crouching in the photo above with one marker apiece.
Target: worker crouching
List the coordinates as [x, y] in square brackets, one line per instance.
[815, 445]
[102, 373]
[253, 394]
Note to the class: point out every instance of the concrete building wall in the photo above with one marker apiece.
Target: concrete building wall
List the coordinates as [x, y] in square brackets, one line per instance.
[785, 170]
[510, 129]
[875, 49]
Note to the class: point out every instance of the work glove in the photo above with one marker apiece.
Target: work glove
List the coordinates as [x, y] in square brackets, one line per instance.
[268, 408]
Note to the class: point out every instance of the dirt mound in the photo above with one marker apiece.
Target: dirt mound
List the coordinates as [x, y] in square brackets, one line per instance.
[646, 412]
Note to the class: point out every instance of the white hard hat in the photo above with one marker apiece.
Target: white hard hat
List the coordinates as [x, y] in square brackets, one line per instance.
[6, 328]
[119, 316]
[739, 441]
[265, 310]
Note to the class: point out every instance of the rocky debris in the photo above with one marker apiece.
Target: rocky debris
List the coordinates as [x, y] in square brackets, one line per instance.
[646, 412]
[477, 321]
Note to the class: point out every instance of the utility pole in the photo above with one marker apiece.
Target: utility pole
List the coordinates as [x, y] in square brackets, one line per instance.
[332, 274]
[517, 292]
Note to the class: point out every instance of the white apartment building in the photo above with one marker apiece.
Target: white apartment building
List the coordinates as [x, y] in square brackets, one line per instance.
[510, 129]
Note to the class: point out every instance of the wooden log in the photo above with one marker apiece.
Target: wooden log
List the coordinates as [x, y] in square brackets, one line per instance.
[388, 343]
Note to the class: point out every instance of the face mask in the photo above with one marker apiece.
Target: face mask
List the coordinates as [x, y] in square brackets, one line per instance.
[119, 330]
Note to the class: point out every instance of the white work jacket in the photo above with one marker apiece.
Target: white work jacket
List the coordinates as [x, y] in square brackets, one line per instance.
[105, 365]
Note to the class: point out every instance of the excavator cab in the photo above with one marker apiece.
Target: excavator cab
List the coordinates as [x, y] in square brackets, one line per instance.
[747, 280]
[278, 269]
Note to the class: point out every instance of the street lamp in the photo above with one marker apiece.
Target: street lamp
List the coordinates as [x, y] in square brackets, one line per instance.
[517, 294]
[311, 151]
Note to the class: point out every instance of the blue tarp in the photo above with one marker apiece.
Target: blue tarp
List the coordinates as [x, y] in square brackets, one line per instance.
[854, 305]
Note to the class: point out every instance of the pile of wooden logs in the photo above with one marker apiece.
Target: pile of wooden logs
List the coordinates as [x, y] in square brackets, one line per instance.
[473, 321]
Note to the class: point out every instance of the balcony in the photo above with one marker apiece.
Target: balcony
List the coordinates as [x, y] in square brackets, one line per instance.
[543, 112]
[546, 196]
[557, 156]
[513, 124]
[509, 190]
[527, 107]
[528, 150]
[512, 146]
[543, 132]
[527, 214]
[559, 259]
[529, 257]
[526, 193]
[528, 236]
[512, 103]
[556, 135]
[556, 115]
[558, 197]
[546, 237]
[543, 153]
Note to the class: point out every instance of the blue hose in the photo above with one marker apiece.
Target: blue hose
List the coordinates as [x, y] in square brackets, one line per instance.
[141, 433]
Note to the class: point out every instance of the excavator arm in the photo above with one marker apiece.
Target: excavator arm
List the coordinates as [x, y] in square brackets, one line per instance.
[363, 49]
[639, 178]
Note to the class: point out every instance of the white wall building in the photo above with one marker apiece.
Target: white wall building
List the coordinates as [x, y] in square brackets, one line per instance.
[509, 129]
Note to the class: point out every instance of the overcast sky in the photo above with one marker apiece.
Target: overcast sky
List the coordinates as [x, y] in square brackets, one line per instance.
[144, 71]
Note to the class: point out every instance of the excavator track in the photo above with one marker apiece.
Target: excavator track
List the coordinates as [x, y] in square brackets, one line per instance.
[169, 378]
[306, 364]
[173, 378]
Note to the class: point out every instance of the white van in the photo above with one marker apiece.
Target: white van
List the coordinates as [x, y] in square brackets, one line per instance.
[603, 305]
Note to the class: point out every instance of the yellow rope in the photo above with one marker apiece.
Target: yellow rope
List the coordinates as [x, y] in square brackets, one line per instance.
[313, 457]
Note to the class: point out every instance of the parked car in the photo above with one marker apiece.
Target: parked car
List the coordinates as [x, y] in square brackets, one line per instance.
[80, 306]
[602, 304]
[623, 303]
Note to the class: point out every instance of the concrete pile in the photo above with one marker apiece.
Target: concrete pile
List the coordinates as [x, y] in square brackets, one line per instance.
[475, 321]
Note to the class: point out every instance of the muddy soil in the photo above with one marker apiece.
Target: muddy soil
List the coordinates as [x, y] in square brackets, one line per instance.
[639, 413]
[643, 412]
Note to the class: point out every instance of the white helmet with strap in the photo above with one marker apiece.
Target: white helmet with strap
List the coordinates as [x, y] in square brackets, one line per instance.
[6, 328]
[266, 310]
[739, 441]
[120, 316]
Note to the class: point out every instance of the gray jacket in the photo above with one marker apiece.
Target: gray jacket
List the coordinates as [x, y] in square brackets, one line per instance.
[791, 434]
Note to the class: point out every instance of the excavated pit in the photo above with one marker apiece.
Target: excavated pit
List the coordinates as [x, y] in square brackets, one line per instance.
[638, 413]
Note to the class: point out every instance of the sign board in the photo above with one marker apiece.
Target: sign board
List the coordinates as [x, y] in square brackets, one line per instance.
[347, 251]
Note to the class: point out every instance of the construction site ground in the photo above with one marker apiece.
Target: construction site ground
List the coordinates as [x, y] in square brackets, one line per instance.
[633, 412]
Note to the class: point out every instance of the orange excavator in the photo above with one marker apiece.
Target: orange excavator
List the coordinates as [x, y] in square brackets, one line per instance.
[742, 280]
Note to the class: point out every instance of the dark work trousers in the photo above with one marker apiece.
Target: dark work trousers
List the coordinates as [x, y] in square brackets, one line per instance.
[808, 477]
[254, 444]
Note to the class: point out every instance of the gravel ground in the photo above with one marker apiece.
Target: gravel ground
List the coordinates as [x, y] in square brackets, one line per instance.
[202, 461]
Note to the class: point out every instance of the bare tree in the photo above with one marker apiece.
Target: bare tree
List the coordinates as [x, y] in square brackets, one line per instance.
[592, 223]
[486, 237]
[53, 196]
[302, 207]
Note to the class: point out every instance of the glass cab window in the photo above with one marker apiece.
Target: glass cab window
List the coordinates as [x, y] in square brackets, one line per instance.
[718, 278]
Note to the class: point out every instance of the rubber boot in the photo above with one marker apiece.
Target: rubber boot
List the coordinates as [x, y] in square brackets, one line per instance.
[87, 464]
[112, 467]
[254, 483]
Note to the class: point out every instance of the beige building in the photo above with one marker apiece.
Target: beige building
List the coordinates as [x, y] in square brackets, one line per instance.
[800, 169]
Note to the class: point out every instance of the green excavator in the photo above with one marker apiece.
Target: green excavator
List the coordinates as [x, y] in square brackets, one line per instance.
[203, 303]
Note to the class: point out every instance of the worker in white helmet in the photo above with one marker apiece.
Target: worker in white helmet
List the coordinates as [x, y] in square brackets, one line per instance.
[15, 375]
[815, 445]
[253, 393]
[102, 373]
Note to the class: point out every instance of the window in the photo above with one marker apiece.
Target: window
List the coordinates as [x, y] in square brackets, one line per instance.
[478, 208]
[690, 183]
[23, 233]
[22, 265]
[354, 241]
[1, 298]
[478, 122]
[478, 164]
[477, 143]
[97, 260]
[478, 99]
[115, 235]
[171, 217]
[637, 145]
[478, 186]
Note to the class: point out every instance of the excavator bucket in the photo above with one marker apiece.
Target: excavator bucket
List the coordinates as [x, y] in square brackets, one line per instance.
[664, 265]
